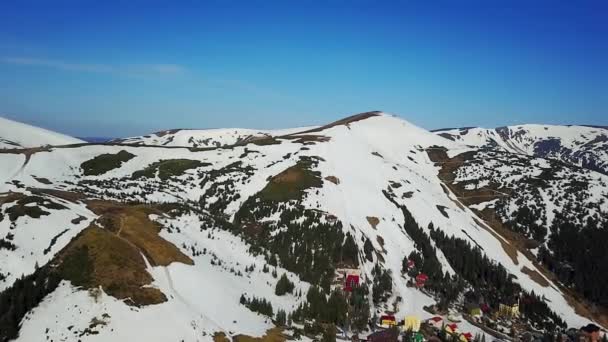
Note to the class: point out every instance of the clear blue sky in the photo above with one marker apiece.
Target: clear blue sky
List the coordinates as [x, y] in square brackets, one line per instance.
[132, 67]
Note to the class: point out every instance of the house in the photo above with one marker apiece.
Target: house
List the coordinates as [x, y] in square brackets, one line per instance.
[387, 321]
[507, 310]
[410, 264]
[451, 328]
[388, 335]
[411, 323]
[591, 332]
[476, 313]
[466, 337]
[421, 280]
[351, 282]
[435, 322]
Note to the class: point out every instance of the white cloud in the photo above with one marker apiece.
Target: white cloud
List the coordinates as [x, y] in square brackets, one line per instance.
[128, 70]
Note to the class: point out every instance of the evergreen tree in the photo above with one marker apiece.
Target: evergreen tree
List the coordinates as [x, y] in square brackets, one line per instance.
[281, 318]
[284, 285]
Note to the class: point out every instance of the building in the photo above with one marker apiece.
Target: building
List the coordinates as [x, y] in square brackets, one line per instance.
[466, 337]
[410, 264]
[451, 328]
[351, 282]
[411, 323]
[507, 310]
[421, 280]
[435, 322]
[388, 321]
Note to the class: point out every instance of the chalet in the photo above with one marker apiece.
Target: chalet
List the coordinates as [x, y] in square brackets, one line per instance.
[421, 280]
[451, 328]
[411, 323]
[510, 311]
[388, 335]
[466, 337]
[341, 277]
[351, 282]
[388, 321]
[435, 322]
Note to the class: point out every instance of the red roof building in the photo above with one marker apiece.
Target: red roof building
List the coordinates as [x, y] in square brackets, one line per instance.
[421, 279]
[435, 322]
[387, 318]
[410, 264]
[451, 328]
[467, 336]
[352, 281]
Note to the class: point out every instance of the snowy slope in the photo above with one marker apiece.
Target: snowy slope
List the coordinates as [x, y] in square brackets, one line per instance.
[14, 134]
[364, 157]
[584, 146]
[205, 137]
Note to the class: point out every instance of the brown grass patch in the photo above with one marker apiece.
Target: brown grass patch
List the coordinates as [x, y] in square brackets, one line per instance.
[132, 224]
[373, 221]
[343, 122]
[272, 335]
[96, 257]
[537, 277]
[333, 179]
[291, 183]
[111, 258]
[308, 139]
[11, 197]
[220, 337]
[69, 196]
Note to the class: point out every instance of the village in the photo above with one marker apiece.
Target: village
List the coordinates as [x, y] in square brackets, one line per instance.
[502, 324]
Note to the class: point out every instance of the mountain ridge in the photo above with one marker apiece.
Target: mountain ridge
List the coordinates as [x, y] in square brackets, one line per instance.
[369, 194]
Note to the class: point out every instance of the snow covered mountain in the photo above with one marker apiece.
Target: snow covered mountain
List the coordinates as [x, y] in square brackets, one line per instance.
[585, 146]
[195, 239]
[19, 135]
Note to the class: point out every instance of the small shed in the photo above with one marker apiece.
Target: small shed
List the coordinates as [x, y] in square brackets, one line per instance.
[435, 322]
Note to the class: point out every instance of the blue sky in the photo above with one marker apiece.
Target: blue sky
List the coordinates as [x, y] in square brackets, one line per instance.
[98, 68]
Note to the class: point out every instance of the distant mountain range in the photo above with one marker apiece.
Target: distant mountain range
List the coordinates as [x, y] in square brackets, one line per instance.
[95, 139]
[200, 235]
[585, 146]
